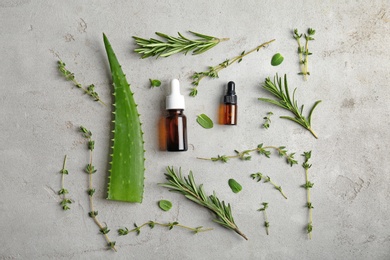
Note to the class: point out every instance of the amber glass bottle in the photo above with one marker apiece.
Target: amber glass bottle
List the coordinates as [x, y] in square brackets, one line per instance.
[176, 121]
[230, 105]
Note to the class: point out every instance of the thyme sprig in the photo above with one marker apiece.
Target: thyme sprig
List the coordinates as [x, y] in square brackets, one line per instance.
[187, 187]
[90, 170]
[170, 225]
[172, 45]
[308, 185]
[261, 150]
[303, 51]
[62, 192]
[283, 100]
[212, 72]
[266, 223]
[267, 119]
[259, 176]
[89, 90]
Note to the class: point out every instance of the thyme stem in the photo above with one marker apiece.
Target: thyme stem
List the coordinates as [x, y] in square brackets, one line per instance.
[90, 90]
[262, 150]
[170, 225]
[266, 223]
[62, 192]
[308, 185]
[213, 71]
[90, 169]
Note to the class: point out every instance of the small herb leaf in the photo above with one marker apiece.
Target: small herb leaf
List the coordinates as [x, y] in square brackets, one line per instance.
[165, 205]
[154, 83]
[235, 186]
[277, 59]
[205, 121]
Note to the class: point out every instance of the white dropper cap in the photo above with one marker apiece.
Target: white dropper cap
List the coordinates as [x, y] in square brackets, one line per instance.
[175, 100]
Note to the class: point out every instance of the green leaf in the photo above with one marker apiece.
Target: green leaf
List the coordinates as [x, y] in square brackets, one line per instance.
[154, 83]
[165, 205]
[205, 121]
[234, 185]
[277, 59]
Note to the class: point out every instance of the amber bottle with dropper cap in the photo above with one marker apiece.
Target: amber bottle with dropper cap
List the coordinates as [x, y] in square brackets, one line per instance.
[230, 105]
[176, 121]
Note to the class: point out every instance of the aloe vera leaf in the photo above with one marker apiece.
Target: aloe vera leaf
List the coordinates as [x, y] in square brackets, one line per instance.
[126, 180]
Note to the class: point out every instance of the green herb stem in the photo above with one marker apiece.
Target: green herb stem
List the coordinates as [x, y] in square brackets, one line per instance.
[283, 99]
[62, 192]
[266, 222]
[213, 71]
[172, 45]
[90, 169]
[261, 150]
[308, 185]
[267, 119]
[259, 176]
[279, 188]
[303, 52]
[188, 188]
[170, 226]
[68, 75]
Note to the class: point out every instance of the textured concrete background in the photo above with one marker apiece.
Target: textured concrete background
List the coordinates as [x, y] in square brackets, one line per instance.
[40, 114]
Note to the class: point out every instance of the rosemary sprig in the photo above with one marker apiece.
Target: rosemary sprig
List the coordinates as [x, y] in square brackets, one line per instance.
[266, 223]
[152, 224]
[267, 119]
[195, 193]
[303, 52]
[259, 176]
[283, 100]
[90, 90]
[212, 72]
[261, 150]
[62, 192]
[308, 185]
[172, 45]
[90, 170]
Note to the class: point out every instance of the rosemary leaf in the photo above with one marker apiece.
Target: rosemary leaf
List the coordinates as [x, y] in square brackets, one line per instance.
[171, 45]
[283, 99]
[188, 188]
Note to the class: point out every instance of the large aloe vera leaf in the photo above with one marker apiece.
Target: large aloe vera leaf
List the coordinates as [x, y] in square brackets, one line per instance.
[126, 180]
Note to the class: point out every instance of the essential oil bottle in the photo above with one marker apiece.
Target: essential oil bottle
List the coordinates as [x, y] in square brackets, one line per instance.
[229, 113]
[176, 121]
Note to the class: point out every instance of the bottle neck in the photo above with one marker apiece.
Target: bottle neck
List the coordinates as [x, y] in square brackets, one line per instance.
[175, 111]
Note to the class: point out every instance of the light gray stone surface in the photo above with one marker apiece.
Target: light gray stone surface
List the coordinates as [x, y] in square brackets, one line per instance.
[40, 114]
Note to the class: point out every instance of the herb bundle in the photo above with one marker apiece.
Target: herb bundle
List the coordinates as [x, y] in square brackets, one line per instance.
[172, 45]
[90, 170]
[260, 149]
[283, 100]
[303, 52]
[188, 188]
[212, 72]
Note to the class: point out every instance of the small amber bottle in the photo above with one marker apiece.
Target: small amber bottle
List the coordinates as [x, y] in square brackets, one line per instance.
[230, 105]
[176, 121]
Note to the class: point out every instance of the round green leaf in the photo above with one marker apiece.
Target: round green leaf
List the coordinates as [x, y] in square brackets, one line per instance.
[235, 186]
[277, 59]
[165, 205]
[205, 121]
[154, 83]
